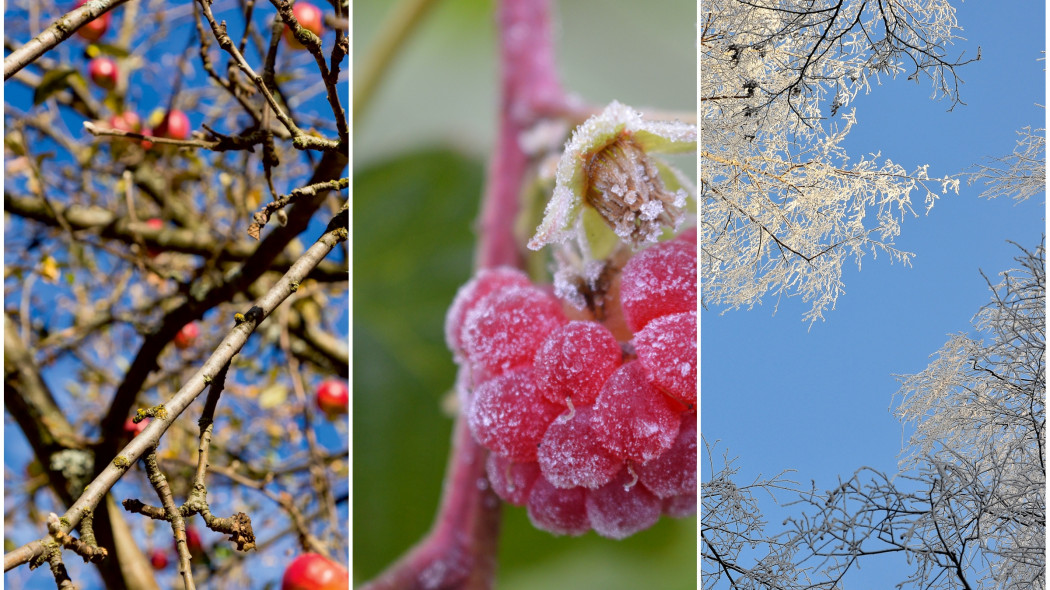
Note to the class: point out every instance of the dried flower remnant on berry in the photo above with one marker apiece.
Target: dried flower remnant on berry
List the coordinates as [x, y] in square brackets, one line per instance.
[609, 165]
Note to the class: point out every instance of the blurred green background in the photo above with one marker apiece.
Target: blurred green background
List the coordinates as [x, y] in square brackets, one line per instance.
[419, 160]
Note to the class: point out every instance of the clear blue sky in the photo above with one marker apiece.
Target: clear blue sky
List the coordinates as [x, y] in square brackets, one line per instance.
[780, 395]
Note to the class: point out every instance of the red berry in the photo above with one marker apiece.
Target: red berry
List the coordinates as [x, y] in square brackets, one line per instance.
[680, 506]
[103, 72]
[193, 543]
[621, 507]
[575, 361]
[333, 397]
[558, 511]
[571, 456]
[174, 125]
[132, 429]
[486, 281]
[509, 416]
[659, 281]
[154, 223]
[158, 559]
[126, 121]
[633, 420]
[187, 336]
[129, 121]
[674, 472]
[511, 480]
[311, 571]
[506, 327]
[309, 17]
[667, 348]
[94, 29]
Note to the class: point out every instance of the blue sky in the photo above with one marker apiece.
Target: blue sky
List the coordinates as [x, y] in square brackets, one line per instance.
[780, 394]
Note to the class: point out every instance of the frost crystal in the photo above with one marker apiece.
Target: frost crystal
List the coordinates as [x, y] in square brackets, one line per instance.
[608, 165]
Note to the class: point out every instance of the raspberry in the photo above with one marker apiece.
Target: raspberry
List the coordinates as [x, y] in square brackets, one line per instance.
[570, 455]
[558, 511]
[674, 472]
[575, 361]
[506, 327]
[486, 281]
[509, 416]
[667, 349]
[511, 480]
[659, 281]
[633, 420]
[621, 507]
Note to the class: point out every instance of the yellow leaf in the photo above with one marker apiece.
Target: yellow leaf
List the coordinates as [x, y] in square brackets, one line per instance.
[49, 269]
[273, 396]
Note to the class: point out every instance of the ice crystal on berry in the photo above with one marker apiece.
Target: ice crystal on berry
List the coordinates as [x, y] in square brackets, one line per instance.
[504, 329]
[575, 361]
[559, 511]
[667, 348]
[658, 281]
[621, 507]
[633, 419]
[570, 456]
[509, 416]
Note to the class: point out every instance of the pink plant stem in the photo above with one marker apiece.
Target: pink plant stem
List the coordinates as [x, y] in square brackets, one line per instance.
[460, 549]
[530, 88]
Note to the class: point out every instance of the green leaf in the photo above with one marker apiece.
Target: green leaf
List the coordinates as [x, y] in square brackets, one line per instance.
[413, 248]
[112, 50]
[53, 81]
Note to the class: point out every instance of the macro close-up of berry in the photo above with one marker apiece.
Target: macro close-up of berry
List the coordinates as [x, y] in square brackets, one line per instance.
[588, 432]
[545, 426]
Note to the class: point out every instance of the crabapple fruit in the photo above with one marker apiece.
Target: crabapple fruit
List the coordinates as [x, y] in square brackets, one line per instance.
[158, 558]
[103, 72]
[187, 336]
[311, 571]
[93, 30]
[333, 398]
[309, 17]
[174, 125]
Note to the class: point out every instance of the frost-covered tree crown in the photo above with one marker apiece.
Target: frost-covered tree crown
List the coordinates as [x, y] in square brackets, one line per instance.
[783, 204]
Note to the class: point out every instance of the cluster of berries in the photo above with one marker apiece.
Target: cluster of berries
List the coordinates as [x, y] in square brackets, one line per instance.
[586, 431]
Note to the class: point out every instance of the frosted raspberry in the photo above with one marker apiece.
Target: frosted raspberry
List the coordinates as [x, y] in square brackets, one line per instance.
[657, 282]
[674, 472]
[667, 348]
[680, 506]
[575, 361]
[506, 327]
[509, 416]
[633, 420]
[486, 281]
[511, 480]
[558, 511]
[621, 507]
[570, 456]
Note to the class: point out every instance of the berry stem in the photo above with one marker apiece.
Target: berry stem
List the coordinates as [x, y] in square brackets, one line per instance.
[530, 89]
[461, 546]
